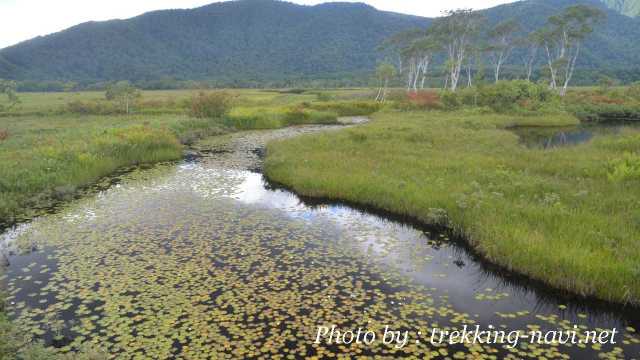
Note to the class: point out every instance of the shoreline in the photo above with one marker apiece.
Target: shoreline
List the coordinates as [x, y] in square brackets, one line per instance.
[333, 184]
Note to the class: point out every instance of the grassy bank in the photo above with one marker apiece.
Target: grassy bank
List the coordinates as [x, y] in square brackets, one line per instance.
[567, 216]
[53, 143]
[47, 159]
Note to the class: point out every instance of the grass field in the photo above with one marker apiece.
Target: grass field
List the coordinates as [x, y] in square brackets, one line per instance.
[48, 150]
[569, 216]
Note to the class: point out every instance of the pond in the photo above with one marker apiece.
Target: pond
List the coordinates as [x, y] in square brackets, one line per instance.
[205, 259]
[554, 137]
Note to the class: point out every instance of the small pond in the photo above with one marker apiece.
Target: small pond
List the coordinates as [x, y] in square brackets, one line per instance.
[554, 137]
[203, 259]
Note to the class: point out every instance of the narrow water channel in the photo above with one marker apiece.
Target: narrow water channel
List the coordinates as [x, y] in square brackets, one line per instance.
[203, 259]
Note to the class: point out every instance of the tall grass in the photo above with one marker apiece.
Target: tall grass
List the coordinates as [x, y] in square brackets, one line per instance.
[347, 108]
[567, 216]
[244, 118]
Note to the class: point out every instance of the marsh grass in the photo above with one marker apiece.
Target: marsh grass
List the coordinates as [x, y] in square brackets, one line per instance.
[245, 118]
[47, 160]
[55, 143]
[348, 108]
[553, 215]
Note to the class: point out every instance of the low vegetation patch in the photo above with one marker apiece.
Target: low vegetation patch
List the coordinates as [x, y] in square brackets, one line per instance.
[567, 217]
[347, 108]
[245, 118]
[212, 105]
[512, 97]
[605, 103]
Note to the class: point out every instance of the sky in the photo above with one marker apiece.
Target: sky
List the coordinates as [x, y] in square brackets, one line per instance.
[25, 19]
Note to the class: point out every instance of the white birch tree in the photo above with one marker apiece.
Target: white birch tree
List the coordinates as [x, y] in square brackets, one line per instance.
[562, 41]
[456, 31]
[502, 40]
[385, 72]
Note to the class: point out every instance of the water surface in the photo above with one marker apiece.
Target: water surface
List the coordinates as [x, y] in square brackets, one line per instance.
[203, 259]
[554, 137]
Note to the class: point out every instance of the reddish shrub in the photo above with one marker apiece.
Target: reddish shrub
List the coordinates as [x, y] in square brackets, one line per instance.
[591, 98]
[427, 100]
[603, 99]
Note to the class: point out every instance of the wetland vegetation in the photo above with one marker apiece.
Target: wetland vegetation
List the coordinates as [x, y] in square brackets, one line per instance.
[234, 223]
[250, 271]
[462, 166]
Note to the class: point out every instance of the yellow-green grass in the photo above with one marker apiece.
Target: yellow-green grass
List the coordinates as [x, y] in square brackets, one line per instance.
[47, 103]
[553, 215]
[246, 118]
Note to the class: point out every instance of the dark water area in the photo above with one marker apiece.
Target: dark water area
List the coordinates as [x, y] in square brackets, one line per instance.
[554, 137]
[206, 259]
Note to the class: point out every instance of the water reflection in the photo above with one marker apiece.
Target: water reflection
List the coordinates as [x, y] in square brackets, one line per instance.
[554, 137]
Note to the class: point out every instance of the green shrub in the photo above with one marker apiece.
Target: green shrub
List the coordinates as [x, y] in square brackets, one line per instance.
[516, 96]
[450, 100]
[211, 105]
[510, 96]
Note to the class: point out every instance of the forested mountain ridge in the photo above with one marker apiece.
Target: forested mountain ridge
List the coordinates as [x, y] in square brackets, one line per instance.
[248, 41]
[611, 46]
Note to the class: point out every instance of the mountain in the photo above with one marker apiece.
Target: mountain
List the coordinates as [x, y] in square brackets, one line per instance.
[252, 41]
[611, 46]
[626, 7]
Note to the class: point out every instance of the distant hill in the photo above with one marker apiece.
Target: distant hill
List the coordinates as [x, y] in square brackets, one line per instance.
[612, 46]
[257, 40]
[626, 7]
[248, 39]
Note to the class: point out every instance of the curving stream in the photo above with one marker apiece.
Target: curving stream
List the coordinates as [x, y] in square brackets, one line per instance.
[204, 259]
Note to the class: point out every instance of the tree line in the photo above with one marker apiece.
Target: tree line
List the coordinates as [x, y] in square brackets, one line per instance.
[462, 41]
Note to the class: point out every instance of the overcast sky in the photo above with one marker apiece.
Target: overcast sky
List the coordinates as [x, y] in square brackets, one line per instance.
[24, 19]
